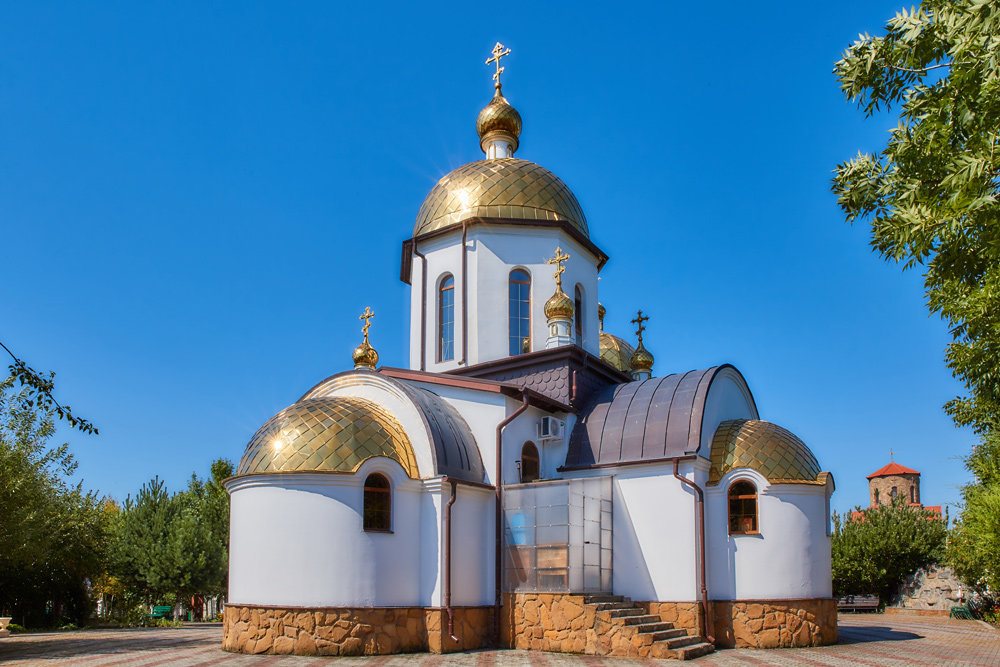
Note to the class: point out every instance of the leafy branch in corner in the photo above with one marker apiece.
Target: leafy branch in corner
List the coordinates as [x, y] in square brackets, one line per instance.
[40, 389]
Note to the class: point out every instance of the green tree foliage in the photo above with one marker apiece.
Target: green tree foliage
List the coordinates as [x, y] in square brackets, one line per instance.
[176, 546]
[930, 196]
[38, 390]
[875, 550]
[974, 543]
[53, 535]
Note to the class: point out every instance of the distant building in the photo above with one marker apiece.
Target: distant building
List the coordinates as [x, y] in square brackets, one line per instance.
[892, 481]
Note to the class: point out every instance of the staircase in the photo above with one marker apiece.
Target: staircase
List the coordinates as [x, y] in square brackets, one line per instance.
[625, 629]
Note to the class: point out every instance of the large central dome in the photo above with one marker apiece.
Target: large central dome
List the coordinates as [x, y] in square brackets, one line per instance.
[506, 188]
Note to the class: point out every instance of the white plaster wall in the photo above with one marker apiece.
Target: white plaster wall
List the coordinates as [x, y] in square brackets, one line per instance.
[654, 532]
[472, 551]
[728, 398]
[789, 559]
[493, 252]
[297, 540]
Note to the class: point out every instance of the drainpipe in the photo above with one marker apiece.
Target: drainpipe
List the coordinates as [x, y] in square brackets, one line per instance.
[498, 482]
[423, 306]
[699, 551]
[447, 559]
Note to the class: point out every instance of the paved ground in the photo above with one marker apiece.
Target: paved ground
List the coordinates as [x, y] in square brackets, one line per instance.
[865, 640]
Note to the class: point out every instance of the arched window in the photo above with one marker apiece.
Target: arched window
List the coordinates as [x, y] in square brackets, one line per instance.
[578, 314]
[894, 493]
[529, 462]
[378, 504]
[876, 497]
[913, 498]
[446, 319]
[743, 509]
[519, 325]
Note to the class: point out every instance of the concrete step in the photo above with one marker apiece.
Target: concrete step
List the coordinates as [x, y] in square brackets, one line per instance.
[681, 642]
[625, 611]
[640, 618]
[695, 651]
[614, 606]
[658, 626]
[602, 598]
[668, 634]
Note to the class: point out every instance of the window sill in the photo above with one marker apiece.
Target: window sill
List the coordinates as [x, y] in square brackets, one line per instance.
[754, 533]
[377, 532]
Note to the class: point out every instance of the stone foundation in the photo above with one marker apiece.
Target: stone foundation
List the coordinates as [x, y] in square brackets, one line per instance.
[774, 623]
[353, 631]
[556, 622]
[684, 615]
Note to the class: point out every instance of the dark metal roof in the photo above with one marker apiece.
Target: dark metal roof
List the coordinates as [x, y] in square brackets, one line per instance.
[642, 421]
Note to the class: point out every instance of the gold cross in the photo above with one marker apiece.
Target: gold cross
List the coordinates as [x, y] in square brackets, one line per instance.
[639, 319]
[890, 456]
[367, 317]
[558, 261]
[498, 52]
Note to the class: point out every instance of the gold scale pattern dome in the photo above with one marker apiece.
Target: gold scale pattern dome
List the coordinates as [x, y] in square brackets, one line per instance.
[499, 117]
[775, 452]
[616, 352]
[335, 434]
[501, 188]
[559, 306]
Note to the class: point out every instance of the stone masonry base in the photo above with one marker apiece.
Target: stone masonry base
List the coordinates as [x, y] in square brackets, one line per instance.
[354, 631]
[774, 623]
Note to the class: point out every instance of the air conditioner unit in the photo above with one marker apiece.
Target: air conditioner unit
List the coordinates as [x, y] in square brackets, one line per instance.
[550, 428]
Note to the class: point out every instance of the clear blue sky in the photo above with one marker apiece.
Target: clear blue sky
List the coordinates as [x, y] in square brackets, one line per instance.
[197, 200]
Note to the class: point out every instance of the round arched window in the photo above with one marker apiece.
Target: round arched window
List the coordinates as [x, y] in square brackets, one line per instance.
[743, 509]
[529, 463]
[377, 504]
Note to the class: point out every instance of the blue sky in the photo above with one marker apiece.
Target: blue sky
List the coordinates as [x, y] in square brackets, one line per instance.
[196, 201]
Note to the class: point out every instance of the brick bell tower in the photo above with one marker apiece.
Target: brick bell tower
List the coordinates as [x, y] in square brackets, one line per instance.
[892, 481]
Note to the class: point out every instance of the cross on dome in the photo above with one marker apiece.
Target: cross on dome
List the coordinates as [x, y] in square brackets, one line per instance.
[499, 51]
[367, 317]
[639, 319]
[560, 269]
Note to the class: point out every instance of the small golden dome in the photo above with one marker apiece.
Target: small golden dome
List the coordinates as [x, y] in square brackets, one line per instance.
[601, 312]
[365, 355]
[334, 434]
[641, 359]
[498, 118]
[616, 352]
[775, 452]
[504, 188]
[559, 306]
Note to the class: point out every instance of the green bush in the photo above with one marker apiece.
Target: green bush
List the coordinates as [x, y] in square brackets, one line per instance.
[16, 628]
[875, 551]
[69, 626]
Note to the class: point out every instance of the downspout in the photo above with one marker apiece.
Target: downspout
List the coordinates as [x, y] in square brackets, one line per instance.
[498, 482]
[423, 306]
[465, 297]
[699, 551]
[447, 559]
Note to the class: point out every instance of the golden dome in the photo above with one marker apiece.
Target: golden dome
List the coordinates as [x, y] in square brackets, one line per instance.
[641, 359]
[327, 434]
[498, 118]
[559, 306]
[502, 188]
[601, 312]
[774, 452]
[616, 352]
[365, 355]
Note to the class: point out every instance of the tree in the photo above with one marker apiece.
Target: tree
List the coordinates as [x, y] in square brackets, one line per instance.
[930, 196]
[53, 536]
[974, 543]
[875, 549]
[38, 390]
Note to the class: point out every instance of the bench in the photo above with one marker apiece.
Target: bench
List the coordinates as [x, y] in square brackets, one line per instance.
[961, 612]
[857, 603]
[162, 611]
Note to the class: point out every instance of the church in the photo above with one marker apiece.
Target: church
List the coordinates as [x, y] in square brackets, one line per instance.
[528, 481]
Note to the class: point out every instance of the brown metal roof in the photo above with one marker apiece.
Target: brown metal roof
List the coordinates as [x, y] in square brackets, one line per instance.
[642, 421]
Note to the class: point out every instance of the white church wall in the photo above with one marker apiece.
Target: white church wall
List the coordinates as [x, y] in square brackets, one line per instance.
[793, 547]
[444, 255]
[298, 540]
[522, 430]
[493, 252]
[728, 398]
[472, 552]
[553, 452]
[654, 532]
